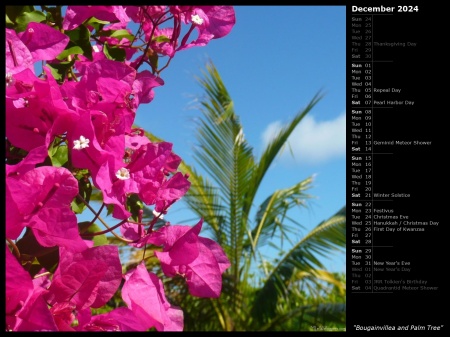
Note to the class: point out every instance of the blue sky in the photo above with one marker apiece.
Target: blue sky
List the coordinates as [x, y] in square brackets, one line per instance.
[273, 62]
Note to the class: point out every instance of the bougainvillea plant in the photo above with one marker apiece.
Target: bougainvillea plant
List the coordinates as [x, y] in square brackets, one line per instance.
[75, 78]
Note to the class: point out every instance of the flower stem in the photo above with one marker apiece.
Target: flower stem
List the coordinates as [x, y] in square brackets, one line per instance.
[105, 231]
[102, 221]
[40, 275]
[98, 213]
[14, 247]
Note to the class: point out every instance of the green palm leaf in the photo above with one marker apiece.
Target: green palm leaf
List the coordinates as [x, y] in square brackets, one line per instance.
[327, 237]
[272, 150]
[272, 213]
[225, 155]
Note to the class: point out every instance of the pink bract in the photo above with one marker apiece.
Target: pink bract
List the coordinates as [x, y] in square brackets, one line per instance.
[218, 22]
[26, 309]
[180, 243]
[44, 114]
[104, 276]
[203, 271]
[43, 41]
[40, 199]
[143, 292]
[18, 56]
[76, 15]
[119, 319]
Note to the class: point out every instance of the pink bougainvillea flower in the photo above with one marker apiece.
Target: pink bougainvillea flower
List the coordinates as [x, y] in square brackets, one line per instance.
[83, 61]
[18, 201]
[147, 158]
[132, 231]
[18, 56]
[77, 284]
[164, 40]
[119, 319]
[83, 280]
[107, 87]
[144, 84]
[141, 13]
[221, 20]
[35, 315]
[43, 41]
[143, 292]
[38, 42]
[18, 288]
[40, 199]
[140, 170]
[180, 243]
[116, 183]
[54, 226]
[26, 309]
[172, 162]
[43, 115]
[203, 274]
[211, 22]
[88, 278]
[76, 15]
[64, 315]
[34, 157]
[167, 193]
[84, 148]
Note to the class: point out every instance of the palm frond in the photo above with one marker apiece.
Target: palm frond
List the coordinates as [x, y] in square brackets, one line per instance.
[272, 213]
[311, 316]
[327, 237]
[225, 155]
[273, 149]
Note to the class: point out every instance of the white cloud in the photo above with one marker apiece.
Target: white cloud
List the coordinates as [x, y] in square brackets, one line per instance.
[312, 142]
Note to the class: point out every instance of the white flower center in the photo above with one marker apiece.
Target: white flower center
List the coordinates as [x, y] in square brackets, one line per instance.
[196, 19]
[81, 143]
[9, 79]
[123, 174]
[20, 103]
[157, 214]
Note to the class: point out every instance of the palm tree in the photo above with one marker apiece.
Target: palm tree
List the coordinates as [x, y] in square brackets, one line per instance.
[292, 288]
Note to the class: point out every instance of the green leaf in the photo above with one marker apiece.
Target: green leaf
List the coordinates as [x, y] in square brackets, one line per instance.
[29, 247]
[85, 190]
[70, 51]
[9, 23]
[118, 34]
[110, 209]
[81, 173]
[161, 38]
[97, 195]
[134, 205]
[153, 58]
[60, 70]
[114, 53]
[272, 212]
[58, 155]
[12, 12]
[86, 228]
[95, 23]
[99, 240]
[80, 37]
[328, 237]
[25, 18]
